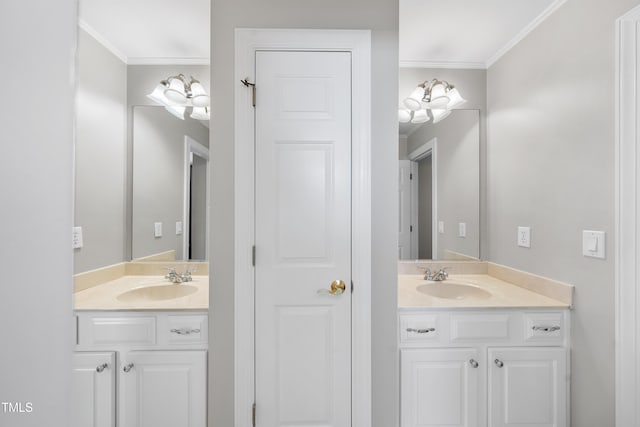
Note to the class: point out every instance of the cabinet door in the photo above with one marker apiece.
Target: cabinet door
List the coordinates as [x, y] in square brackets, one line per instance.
[439, 387]
[93, 390]
[163, 389]
[527, 387]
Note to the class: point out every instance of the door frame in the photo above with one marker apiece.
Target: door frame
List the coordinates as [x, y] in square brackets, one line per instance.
[358, 43]
[430, 148]
[627, 220]
[191, 146]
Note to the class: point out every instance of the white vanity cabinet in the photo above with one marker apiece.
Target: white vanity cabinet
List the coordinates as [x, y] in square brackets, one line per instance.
[484, 368]
[155, 373]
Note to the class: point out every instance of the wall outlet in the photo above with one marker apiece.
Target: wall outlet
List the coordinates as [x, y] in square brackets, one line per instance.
[593, 243]
[441, 227]
[157, 229]
[76, 238]
[524, 237]
[462, 229]
[178, 228]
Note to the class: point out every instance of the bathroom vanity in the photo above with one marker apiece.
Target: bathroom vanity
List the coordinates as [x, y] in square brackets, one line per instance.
[141, 353]
[483, 352]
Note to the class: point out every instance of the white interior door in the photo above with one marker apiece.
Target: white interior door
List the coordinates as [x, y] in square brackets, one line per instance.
[303, 239]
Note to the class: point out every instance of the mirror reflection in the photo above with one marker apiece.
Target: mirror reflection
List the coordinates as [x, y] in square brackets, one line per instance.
[439, 188]
[141, 172]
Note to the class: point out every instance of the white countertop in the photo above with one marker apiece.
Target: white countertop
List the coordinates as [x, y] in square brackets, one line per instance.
[105, 295]
[502, 294]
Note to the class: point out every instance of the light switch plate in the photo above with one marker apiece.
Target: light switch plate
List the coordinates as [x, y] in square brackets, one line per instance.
[593, 244]
[462, 229]
[76, 238]
[157, 229]
[178, 228]
[441, 227]
[524, 237]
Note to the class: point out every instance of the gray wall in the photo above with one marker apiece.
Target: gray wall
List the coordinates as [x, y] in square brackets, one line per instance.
[101, 102]
[382, 17]
[472, 85]
[158, 177]
[551, 166]
[458, 178]
[36, 181]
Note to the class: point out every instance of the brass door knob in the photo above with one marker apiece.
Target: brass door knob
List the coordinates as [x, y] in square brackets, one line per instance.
[337, 288]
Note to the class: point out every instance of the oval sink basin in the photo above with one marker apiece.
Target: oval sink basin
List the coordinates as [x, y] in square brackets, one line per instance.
[157, 293]
[449, 290]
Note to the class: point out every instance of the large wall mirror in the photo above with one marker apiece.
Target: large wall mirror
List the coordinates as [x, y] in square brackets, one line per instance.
[439, 188]
[141, 169]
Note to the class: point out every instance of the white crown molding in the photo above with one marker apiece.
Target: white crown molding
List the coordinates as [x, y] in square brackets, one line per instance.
[524, 32]
[167, 61]
[430, 64]
[103, 41]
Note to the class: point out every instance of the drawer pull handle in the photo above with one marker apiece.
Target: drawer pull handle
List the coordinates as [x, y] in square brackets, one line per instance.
[128, 367]
[473, 363]
[498, 363]
[184, 331]
[546, 328]
[421, 331]
[102, 367]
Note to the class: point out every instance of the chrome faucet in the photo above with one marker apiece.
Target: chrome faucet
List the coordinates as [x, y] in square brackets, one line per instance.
[176, 277]
[437, 276]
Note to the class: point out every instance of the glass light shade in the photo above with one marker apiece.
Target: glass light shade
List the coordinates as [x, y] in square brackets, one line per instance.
[420, 116]
[175, 92]
[404, 115]
[455, 100]
[200, 113]
[158, 95]
[413, 102]
[176, 110]
[199, 97]
[437, 97]
[440, 114]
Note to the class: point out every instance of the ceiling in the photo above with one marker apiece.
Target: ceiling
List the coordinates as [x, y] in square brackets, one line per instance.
[465, 33]
[150, 31]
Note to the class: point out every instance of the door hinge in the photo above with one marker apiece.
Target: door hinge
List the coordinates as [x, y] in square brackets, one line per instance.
[253, 415]
[410, 176]
[411, 229]
[253, 90]
[352, 286]
[253, 255]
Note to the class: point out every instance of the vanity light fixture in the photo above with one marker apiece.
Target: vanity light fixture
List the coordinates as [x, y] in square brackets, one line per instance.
[176, 94]
[437, 97]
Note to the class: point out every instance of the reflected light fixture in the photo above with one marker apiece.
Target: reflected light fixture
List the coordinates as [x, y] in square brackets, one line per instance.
[437, 97]
[176, 94]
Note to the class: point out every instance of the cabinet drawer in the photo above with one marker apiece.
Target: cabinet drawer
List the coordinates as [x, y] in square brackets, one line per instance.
[96, 330]
[544, 327]
[185, 329]
[474, 327]
[419, 328]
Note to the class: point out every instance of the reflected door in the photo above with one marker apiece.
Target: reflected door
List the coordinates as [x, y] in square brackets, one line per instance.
[303, 239]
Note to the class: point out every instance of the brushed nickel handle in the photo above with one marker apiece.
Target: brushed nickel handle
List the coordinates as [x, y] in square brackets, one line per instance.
[102, 367]
[498, 363]
[337, 288]
[185, 331]
[128, 367]
[473, 363]
[546, 328]
[421, 331]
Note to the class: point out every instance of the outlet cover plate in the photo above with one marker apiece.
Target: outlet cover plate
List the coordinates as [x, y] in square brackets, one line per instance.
[524, 237]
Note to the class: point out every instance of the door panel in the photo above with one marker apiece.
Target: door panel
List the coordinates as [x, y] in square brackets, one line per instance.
[303, 238]
[93, 390]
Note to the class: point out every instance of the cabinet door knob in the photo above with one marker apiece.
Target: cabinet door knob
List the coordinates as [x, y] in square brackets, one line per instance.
[102, 367]
[473, 363]
[128, 367]
[498, 363]
[421, 331]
